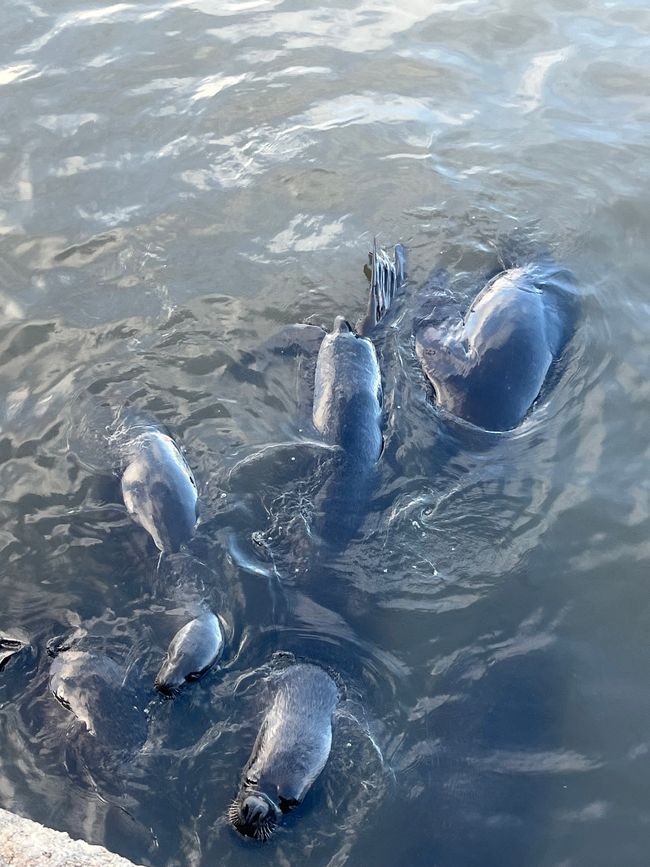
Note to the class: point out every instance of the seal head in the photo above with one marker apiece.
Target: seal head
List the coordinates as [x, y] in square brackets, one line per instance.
[192, 651]
[159, 490]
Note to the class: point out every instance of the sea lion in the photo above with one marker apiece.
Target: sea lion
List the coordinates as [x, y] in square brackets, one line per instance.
[159, 490]
[192, 651]
[488, 367]
[291, 750]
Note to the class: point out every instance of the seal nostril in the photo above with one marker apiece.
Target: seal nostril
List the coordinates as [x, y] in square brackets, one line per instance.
[254, 809]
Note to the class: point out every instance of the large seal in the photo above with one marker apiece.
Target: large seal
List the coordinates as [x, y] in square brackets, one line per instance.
[159, 490]
[291, 750]
[488, 366]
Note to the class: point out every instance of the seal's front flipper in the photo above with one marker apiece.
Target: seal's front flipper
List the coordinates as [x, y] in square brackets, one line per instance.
[192, 651]
[386, 277]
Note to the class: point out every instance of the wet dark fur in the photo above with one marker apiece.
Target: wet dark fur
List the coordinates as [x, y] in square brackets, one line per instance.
[290, 751]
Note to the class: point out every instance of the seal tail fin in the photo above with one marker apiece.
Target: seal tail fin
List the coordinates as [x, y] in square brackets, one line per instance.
[386, 277]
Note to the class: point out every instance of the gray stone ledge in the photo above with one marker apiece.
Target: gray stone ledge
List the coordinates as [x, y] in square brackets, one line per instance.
[24, 843]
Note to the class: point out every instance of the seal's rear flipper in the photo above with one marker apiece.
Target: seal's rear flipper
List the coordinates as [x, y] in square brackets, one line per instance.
[386, 277]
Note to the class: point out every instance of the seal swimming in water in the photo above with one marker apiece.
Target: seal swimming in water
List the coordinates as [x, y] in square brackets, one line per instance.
[291, 750]
[159, 490]
[192, 651]
[347, 407]
[488, 366]
[90, 685]
[345, 395]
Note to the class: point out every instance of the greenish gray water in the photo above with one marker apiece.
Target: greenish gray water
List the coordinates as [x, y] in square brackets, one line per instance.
[178, 181]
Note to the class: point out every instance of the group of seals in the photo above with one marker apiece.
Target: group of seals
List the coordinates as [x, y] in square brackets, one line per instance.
[486, 367]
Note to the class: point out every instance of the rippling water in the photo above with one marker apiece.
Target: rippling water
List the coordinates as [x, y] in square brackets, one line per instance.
[177, 182]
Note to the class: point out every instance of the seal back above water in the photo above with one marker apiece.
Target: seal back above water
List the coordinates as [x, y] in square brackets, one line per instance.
[291, 750]
[192, 651]
[488, 367]
[159, 490]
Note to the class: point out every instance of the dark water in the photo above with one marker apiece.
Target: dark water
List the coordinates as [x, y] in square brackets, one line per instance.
[177, 182]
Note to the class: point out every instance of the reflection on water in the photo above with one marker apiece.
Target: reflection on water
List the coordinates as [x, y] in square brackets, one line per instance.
[179, 181]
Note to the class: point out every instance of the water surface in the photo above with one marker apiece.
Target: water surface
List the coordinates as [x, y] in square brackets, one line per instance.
[177, 182]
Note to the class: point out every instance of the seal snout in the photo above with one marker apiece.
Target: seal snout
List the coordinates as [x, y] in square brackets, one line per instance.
[168, 680]
[254, 816]
[167, 687]
[254, 810]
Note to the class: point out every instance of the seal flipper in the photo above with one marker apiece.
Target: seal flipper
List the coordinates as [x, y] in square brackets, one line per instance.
[9, 646]
[386, 278]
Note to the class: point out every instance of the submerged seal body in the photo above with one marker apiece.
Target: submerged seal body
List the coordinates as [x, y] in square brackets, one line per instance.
[488, 367]
[290, 752]
[159, 490]
[91, 686]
